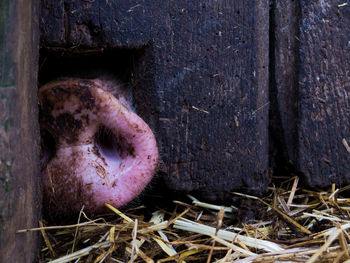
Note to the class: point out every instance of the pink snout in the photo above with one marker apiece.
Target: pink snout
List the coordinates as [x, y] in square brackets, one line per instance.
[103, 152]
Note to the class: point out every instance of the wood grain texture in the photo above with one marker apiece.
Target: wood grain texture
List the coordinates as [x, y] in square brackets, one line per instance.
[201, 81]
[324, 85]
[19, 151]
[284, 82]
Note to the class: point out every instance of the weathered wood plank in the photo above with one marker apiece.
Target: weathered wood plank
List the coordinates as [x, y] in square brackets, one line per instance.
[284, 83]
[324, 85]
[19, 151]
[202, 81]
[311, 83]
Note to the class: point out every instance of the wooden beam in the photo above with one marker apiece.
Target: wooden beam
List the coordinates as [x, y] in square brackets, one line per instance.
[324, 87]
[19, 132]
[312, 84]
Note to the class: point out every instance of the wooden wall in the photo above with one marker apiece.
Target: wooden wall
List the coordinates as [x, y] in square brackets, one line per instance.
[201, 81]
[231, 88]
[19, 133]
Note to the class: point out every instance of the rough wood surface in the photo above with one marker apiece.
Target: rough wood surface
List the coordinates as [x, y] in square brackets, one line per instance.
[284, 87]
[201, 80]
[310, 89]
[19, 151]
[324, 81]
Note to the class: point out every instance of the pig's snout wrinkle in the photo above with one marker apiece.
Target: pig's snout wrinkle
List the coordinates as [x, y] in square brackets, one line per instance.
[97, 150]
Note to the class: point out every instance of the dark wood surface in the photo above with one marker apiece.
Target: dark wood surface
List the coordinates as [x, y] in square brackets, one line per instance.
[312, 83]
[19, 150]
[324, 86]
[284, 87]
[199, 77]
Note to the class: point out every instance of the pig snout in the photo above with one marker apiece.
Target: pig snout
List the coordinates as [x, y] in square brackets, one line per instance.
[99, 150]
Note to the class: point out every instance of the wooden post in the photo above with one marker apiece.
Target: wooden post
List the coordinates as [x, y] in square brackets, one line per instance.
[312, 77]
[324, 80]
[284, 92]
[19, 133]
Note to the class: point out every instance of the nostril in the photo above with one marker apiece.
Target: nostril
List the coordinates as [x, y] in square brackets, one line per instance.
[48, 147]
[113, 145]
[105, 140]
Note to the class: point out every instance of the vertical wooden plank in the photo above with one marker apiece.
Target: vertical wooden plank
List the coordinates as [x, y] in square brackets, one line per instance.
[284, 83]
[324, 84]
[211, 82]
[19, 151]
[206, 90]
